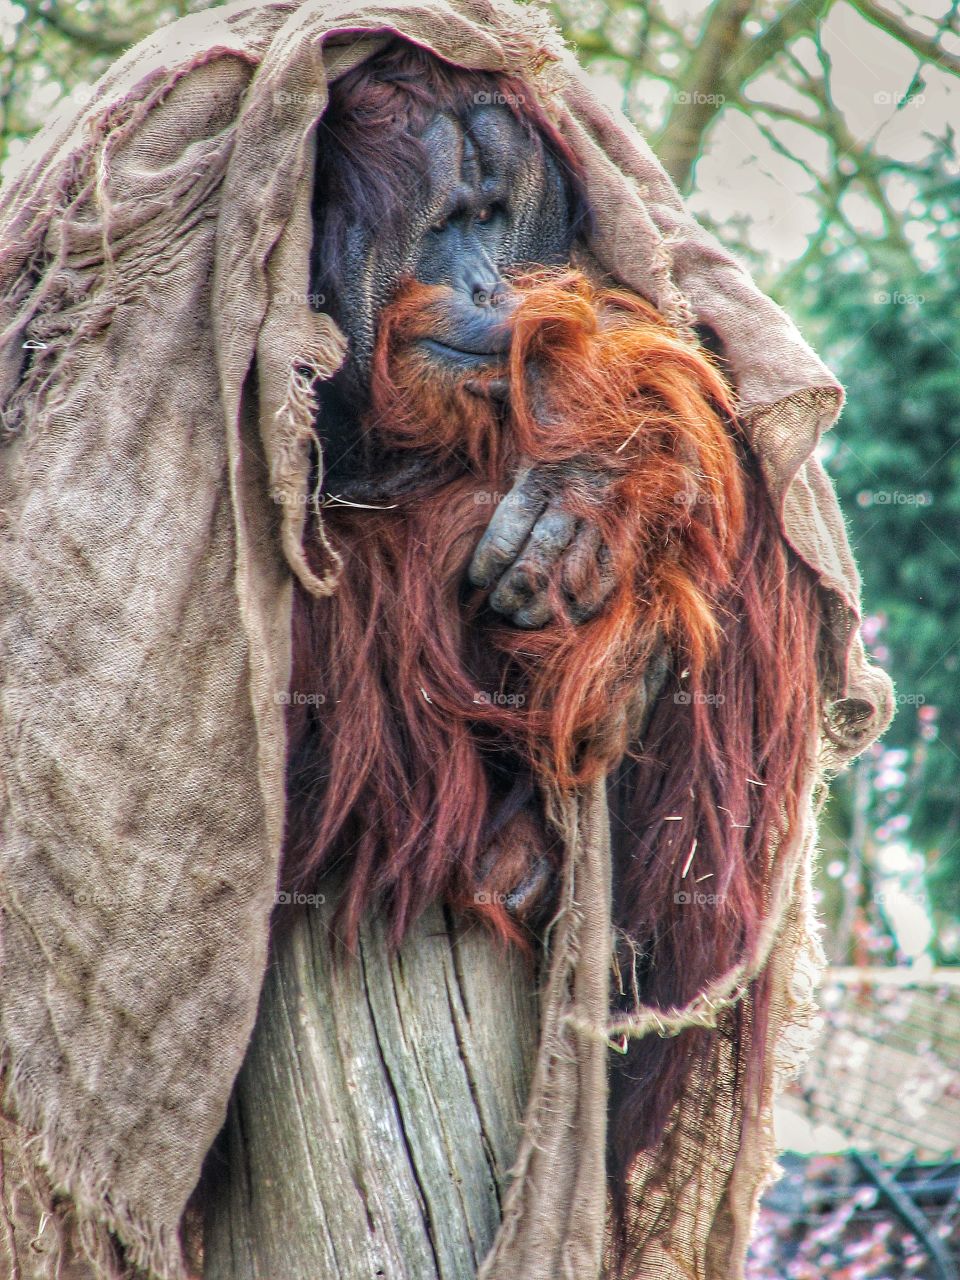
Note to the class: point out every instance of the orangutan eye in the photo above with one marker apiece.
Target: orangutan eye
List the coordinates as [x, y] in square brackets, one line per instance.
[484, 214]
[440, 225]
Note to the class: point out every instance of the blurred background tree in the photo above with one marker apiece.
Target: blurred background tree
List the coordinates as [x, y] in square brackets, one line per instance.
[815, 137]
[893, 338]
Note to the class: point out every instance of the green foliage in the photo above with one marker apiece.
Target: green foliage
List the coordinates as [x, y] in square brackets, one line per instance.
[49, 48]
[892, 333]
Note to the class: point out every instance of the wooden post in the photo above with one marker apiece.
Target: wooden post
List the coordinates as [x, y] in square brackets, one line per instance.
[378, 1112]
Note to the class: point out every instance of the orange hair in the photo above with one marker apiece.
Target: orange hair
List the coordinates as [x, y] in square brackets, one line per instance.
[436, 713]
[421, 680]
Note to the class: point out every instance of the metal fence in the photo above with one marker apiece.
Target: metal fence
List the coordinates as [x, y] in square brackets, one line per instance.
[874, 1191]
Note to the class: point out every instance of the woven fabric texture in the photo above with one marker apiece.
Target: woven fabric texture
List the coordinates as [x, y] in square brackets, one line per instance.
[154, 253]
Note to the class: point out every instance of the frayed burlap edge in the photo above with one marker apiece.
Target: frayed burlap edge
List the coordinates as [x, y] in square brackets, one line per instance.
[48, 1161]
[554, 1211]
[577, 1044]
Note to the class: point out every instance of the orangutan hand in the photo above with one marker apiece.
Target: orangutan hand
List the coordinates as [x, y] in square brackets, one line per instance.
[531, 531]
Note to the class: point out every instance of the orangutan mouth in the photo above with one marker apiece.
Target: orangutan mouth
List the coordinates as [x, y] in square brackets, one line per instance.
[493, 353]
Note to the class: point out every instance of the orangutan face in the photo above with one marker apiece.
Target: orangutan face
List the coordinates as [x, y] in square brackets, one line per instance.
[452, 181]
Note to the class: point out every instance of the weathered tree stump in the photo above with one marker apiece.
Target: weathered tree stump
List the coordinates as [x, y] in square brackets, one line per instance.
[378, 1111]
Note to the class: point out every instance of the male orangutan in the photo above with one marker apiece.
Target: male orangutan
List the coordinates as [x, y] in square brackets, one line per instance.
[543, 498]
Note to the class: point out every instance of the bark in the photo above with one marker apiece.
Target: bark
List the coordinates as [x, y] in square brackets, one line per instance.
[378, 1112]
[699, 95]
[720, 66]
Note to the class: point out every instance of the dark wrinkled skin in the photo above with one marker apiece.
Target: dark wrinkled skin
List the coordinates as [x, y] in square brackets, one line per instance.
[491, 203]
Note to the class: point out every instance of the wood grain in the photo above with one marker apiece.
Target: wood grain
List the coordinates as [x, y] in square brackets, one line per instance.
[378, 1112]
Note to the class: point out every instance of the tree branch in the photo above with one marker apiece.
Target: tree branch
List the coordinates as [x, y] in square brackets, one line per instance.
[782, 149]
[700, 93]
[925, 47]
[92, 41]
[799, 19]
[869, 168]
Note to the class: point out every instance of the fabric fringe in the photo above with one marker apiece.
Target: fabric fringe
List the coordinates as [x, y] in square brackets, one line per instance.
[64, 307]
[296, 443]
[566, 1242]
[531, 41]
[729, 989]
[147, 1248]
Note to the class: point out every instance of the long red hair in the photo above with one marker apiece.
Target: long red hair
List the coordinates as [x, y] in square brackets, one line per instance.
[414, 682]
[415, 707]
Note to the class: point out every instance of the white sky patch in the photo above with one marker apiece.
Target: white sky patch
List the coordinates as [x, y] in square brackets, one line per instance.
[10, 16]
[937, 100]
[741, 178]
[862, 212]
[900, 890]
[909, 919]
[871, 70]
[649, 101]
[770, 86]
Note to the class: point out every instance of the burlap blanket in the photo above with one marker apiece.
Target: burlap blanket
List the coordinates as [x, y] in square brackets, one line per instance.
[156, 351]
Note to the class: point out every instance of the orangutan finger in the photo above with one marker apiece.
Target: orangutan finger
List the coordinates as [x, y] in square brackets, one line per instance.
[519, 586]
[580, 562]
[529, 577]
[532, 891]
[534, 615]
[507, 531]
[579, 580]
[587, 577]
[497, 389]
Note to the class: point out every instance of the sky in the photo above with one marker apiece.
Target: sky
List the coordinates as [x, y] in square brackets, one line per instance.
[742, 178]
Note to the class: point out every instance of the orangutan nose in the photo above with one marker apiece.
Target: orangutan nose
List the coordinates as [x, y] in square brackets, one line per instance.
[498, 294]
[480, 279]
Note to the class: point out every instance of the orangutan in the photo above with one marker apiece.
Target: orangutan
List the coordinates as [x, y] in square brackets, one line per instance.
[543, 497]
